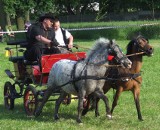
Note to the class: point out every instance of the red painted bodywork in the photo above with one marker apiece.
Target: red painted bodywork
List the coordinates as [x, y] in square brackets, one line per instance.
[48, 61]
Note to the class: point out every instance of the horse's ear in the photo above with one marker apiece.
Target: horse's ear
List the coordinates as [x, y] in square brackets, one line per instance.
[111, 42]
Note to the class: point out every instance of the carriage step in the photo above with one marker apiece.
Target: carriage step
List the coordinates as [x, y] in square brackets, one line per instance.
[9, 73]
[41, 93]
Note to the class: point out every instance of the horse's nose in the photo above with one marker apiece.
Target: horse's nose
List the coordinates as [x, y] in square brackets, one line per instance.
[129, 64]
[150, 51]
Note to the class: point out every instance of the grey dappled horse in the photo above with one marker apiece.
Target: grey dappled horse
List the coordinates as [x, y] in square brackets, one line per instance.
[83, 77]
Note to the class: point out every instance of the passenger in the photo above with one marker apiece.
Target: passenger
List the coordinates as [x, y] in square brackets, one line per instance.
[41, 39]
[64, 38]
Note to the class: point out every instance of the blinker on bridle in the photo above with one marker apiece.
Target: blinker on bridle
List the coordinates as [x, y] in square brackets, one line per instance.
[140, 49]
[115, 57]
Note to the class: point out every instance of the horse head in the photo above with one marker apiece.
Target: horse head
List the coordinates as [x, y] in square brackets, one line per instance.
[119, 55]
[143, 45]
[104, 47]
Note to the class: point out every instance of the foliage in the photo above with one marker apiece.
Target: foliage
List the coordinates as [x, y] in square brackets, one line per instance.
[43, 6]
[18, 7]
[73, 7]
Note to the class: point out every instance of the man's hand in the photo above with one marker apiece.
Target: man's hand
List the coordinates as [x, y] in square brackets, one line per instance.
[54, 44]
[70, 46]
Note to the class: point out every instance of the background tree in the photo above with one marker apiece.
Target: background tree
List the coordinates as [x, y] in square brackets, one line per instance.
[74, 7]
[43, 6]
[2, 15]
[19, 11]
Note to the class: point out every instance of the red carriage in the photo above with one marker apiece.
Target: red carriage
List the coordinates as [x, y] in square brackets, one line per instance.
[27, 76]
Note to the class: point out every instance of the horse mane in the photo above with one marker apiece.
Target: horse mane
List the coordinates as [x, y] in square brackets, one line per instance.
[130, 46]
[98, 52]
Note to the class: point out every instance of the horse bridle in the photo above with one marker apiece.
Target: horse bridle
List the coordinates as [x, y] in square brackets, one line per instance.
[141, 49]
[119, 60]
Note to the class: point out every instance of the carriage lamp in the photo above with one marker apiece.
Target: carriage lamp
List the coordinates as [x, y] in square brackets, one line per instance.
[9, 53]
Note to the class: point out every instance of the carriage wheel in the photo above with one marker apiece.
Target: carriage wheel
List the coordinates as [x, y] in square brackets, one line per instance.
[30, 100]
[67, 100]
[8, 96]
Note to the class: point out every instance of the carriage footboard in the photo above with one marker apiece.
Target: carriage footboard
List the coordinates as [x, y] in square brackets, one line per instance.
[9, 73]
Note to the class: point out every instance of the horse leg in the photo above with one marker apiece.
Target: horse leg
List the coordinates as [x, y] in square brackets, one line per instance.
[94, 102]
[102, 96]
[116, 96]
[58, 103]
[136, 99]
[96, 107]
[47, 94]
[81, 97]
[86, 107]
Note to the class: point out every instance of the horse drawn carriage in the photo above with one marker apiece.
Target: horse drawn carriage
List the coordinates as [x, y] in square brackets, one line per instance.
[82, 77]
[28, 75]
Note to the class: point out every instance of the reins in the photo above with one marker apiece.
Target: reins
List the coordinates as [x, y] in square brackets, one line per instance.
[134, 54]
[95, 77]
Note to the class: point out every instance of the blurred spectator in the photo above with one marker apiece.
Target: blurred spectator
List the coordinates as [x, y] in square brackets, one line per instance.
[9, 31]
[27, 24]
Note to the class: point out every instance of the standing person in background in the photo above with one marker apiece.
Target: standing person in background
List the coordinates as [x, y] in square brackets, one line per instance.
[10, 33]
[64, 38]
[27, 24]
[1, 34]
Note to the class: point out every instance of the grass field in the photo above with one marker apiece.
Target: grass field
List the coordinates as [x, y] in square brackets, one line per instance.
[124, 116]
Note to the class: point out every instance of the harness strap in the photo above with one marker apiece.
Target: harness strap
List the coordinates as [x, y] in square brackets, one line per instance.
[80, 78]
[135, 76]
[93, 78]
[74, 77]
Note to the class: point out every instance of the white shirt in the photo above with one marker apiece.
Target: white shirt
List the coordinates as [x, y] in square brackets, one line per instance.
[59, 36]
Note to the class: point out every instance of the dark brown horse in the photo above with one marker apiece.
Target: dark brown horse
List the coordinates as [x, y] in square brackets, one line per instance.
[122, 79]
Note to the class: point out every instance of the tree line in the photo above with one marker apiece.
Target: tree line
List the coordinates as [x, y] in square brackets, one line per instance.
[25, 10]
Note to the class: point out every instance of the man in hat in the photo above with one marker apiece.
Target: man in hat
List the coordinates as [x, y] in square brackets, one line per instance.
[41, 39]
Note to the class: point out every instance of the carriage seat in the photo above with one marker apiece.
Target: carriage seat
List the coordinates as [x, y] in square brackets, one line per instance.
[22, 43]
[26, 62]
[15, 59]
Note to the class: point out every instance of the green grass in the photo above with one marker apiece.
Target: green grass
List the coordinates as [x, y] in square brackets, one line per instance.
[124, 116]
[122, 29]
[108, 23]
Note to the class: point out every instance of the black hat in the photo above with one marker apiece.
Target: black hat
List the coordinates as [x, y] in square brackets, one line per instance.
[46, 16]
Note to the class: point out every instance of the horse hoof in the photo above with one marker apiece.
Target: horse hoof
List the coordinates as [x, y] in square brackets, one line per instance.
[109, 117]
[141, 119]
[37, 113]
[79, 121]
[84, 112]
[97, 114]
[56, 117]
